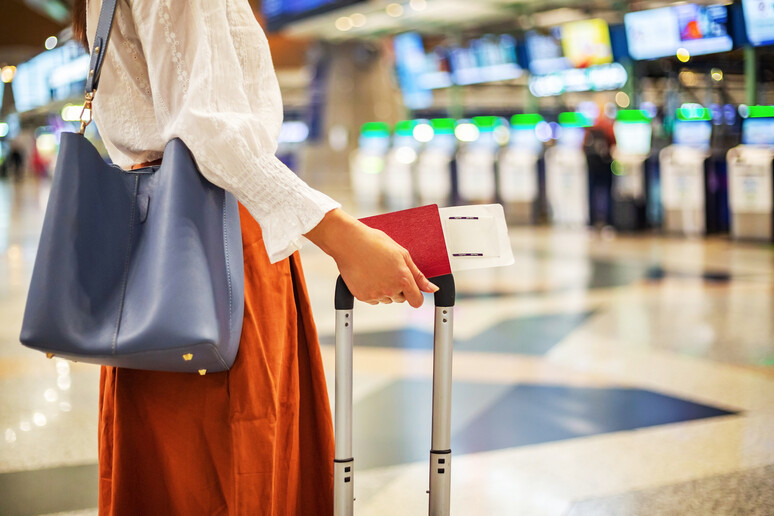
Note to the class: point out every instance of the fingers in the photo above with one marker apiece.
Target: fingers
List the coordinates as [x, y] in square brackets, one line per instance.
[411, 292]
[423, 283]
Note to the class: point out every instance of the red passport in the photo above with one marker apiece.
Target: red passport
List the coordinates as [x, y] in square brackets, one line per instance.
[418, 230]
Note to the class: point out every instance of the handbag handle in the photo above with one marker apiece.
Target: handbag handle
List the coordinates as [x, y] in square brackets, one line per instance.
[98, 53]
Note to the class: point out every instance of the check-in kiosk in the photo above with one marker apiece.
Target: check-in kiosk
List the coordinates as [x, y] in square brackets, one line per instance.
[567, 173]
[750, 191]
[633, 136]
[518, 170]
[367, 165]
[685, 168]
[476, 158]
[398, 176]
[435, 165]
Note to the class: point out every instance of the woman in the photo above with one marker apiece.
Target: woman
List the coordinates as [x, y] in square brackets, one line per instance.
[258, 438]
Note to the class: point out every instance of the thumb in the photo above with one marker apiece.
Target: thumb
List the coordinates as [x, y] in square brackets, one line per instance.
[422, 282]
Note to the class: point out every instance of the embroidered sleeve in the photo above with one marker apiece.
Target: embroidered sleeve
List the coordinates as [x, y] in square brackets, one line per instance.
[214, 87]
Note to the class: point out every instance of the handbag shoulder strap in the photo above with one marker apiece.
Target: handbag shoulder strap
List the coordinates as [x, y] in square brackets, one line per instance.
[98, 53]
[99, 48]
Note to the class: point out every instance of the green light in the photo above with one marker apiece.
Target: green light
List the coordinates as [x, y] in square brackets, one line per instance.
[405, 127]
[617, 168]
[443, 125]
[693, 113]
[637, 116]
[527, 120]
[761, 112]
[572, 119]
[486, 124]
[375, 130]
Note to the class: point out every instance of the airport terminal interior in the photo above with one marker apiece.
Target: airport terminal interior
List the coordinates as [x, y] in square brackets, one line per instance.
[620, 363]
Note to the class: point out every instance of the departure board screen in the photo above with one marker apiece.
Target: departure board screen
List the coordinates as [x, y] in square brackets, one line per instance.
[580, 44]
[280, 13]
[697, 29]
[759, 21]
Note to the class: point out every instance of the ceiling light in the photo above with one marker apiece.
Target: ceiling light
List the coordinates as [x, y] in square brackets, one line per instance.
[51, 42]
[344, 23]
[358, 19]
[7, 73]
[72, 113]
[394, 10]
[622, 99]
[418, 5]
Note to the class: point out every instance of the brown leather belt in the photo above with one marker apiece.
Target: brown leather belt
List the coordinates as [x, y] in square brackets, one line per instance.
[153, 163]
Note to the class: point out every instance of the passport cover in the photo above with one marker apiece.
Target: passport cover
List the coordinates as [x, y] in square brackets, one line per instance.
[420, 232]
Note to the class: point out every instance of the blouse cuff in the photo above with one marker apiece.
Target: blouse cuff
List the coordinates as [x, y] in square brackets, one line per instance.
[286, 208]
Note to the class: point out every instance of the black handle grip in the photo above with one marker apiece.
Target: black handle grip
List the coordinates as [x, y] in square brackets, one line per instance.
[447, 293]
[344, 299]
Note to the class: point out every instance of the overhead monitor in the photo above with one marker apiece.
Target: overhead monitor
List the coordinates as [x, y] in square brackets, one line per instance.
[580, 44]
[545, 52]
[696, 29]
[759, 21]
[55, 74]
[411, 65]
[587, 43]
[280, 13]
[486, 59]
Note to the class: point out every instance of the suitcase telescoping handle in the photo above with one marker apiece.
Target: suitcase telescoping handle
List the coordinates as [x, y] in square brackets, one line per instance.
[440, 452]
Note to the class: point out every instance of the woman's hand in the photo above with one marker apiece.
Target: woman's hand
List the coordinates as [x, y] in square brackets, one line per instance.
[375, 268]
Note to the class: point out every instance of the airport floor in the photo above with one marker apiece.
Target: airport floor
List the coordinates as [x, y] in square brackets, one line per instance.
[601, 374]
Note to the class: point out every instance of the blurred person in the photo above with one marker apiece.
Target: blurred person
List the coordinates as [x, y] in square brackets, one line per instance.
[598, 144]
[38, 163]
[15, 165]
[256, 439]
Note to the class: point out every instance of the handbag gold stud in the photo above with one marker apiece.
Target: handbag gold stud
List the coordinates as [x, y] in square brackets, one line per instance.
[202, 372]
[188, 357]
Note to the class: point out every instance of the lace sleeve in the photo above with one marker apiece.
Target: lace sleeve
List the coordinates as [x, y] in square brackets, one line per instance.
[214, 87]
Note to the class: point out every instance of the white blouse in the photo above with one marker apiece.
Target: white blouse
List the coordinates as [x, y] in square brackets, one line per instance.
[201, 71]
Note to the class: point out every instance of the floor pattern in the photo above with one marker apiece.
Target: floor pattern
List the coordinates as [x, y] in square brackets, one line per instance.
[600, 374]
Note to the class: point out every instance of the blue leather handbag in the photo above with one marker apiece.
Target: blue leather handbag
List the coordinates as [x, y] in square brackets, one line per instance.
[140, 269]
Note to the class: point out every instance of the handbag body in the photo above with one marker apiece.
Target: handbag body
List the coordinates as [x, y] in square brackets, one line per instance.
[140, 269]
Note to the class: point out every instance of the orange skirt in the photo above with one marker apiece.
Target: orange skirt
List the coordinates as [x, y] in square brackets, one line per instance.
[255, 440]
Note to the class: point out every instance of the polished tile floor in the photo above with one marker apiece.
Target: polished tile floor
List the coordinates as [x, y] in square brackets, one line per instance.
[600, 374]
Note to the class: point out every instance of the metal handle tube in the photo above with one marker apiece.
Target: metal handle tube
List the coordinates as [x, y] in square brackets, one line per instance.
[440, 453]
[343, 399]
[344, 463]
[442, 378]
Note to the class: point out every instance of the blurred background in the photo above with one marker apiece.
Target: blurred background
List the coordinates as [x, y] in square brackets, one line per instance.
[623, 365]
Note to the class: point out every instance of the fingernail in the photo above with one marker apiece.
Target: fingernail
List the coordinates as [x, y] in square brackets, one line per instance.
[433, 288]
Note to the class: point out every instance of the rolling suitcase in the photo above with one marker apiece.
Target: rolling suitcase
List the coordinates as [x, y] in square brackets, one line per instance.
[440, 452]
[440, 241]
